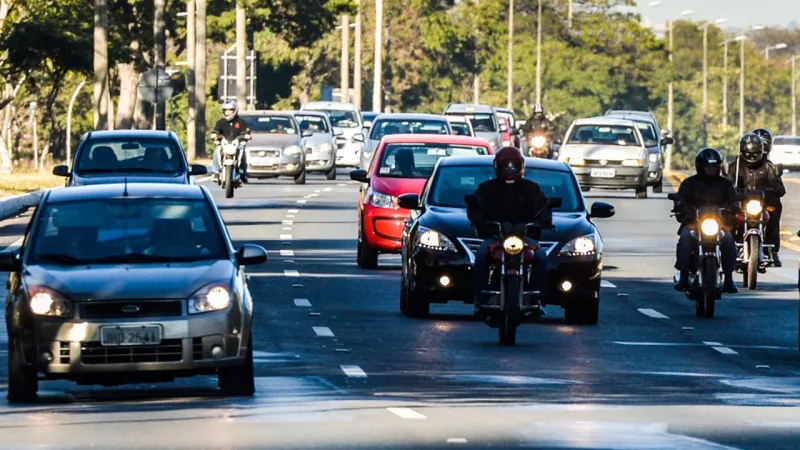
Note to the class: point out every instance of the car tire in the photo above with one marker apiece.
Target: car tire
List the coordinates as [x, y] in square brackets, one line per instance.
[585, 189]
[331, 174]
[659, 187]
[23, 383]
[300, 178]
[584, 312]
[416, 305]
[239, 381]
[641, 193]
[366, 256]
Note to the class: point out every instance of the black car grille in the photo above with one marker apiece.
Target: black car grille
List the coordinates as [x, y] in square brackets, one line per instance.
[471, 245]
[135, 309]
[169, 350]
[605, 162]
[271, 153]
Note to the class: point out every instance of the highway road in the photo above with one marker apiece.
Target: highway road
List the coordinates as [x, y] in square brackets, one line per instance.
[338, 366]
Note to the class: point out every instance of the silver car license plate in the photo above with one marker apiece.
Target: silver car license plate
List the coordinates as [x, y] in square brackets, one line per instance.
[133, 335]
[603, 173]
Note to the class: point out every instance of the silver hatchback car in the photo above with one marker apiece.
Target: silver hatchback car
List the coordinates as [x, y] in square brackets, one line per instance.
[319, 143]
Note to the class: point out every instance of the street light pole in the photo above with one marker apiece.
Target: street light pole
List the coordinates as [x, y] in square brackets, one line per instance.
[377, 91]
[539, 56]
[705, 84]
[510, 94]
[725, 87]
[794, 97]
[345, 81]
[357, 60]
[670, 26]
[741, 40]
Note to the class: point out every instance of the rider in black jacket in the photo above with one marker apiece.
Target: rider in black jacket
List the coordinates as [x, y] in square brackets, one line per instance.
[230, 127]
[707, 188]
[507, 198]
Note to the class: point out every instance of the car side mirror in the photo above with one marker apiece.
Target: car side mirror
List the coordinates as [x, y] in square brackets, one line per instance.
[198, 169]
[602, 210]
[9, 261]
[307, 133]
[359, 175]
[668, 140]
[61, 171]
[358, 137]
[251, 254]
[408, 201]
[367, 125]
[555, 202]
[673, 196]
[798, 233]
[650, 143]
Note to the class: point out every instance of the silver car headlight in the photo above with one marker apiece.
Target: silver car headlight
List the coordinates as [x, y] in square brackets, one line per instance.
[210, 298]
[434, 240]
[47, 302]
[292, 150]
[653, 157]
[581, 246]
[325, 148]
[380, 200]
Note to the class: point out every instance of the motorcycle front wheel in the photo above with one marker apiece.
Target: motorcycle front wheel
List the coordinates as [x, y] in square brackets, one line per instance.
[512, 287]
[754, 249]
[229, 181]
[710, 281]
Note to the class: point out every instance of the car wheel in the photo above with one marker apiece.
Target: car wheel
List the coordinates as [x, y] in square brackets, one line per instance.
[641, 192]
[416, 305]
[239, 381]
[658, 188]
[366, 256]
[331, 174]
[584, 312]
[585, 189]
[403, 297]
[300, 178]
[23, 383]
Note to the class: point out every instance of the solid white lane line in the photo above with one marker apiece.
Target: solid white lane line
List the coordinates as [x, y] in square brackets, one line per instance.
[406, 413]
[323, 331]
[456, 441]
[652, 313]
[302, 302]
[302, 201]
[607, 284]
[287, 252]
[291, 273]
[287, 237]
[353, 371]
[328, 189]
[313, 195]
[725, 350]
[293, 211]
[288, 222]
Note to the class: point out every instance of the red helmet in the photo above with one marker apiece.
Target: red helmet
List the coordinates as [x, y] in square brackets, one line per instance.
[509, 164]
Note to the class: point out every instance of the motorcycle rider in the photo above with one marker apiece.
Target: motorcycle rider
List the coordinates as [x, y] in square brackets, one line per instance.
[507, 198]
[230, 127]
[539, 125]
[707, 188]
[758, 173]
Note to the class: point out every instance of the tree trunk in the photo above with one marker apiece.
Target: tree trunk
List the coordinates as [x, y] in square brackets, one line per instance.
[128, 93]
[54, 130]
[101, 102]
[241, 55]
[200, 79]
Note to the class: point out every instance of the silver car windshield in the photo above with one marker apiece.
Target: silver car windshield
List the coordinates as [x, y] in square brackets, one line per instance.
[481, 123]
[383, 128]
[315, 124]
[130, 155]
[342, 119]
[604, 135]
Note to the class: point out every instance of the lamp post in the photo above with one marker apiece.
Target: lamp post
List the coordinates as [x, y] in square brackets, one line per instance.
[510, 93]
[773, 47]
[794, 96]
[741, 39]
[539, 56]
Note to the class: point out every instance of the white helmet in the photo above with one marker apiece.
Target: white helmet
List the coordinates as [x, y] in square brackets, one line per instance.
[538, 109]
[230, 109]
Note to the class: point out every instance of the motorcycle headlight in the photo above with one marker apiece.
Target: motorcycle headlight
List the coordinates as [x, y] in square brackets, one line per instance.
[538, 141]
[229, 149]
[633, 163]
[47, 302]
[754, 207]
[434, 240]
[513, 245]
[212, 298]
[380, 200]
[653, 157]
[325, 148]
[709, 227]
[581, 246]
[292, 150]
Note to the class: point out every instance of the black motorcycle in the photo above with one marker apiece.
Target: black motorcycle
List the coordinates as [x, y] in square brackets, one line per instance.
[753, 255]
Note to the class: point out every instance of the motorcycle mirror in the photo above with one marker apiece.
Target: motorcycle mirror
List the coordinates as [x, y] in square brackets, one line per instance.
[557, 141]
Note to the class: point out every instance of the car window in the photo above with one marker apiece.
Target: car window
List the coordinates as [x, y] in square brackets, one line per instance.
[480, 122]
[167, 229]
[452, 183]
[604, 134]
[342, 119]
[387, 127]
[509, 118]
[315, 124]
[418, 160]
[786, 140]
[460, 129]
[105, 155]
[647, 130]
[271, 124]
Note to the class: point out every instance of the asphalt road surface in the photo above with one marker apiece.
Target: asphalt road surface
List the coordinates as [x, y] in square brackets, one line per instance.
[338, 366]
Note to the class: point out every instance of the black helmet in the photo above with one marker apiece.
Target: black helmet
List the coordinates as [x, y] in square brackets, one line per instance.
[751, 148]
[708, 158]
[509, 164]
[765, 136]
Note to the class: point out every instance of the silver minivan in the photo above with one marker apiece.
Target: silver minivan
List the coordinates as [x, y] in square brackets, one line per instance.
[607, 153]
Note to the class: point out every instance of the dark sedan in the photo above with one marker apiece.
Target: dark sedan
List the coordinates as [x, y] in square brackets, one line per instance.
[439, 244]
[132, 156]
[126, 283]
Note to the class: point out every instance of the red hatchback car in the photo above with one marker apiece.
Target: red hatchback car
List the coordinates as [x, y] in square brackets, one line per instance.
[401, 165]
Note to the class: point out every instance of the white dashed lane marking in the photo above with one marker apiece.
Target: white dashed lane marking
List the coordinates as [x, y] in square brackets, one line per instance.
[287, 252]
[291, 273]
[607, 284]
[328, 189]
[288, 222]
[353, 371]
[293, 211]
[406, 413]
[456, 441]
[323, 331]
[286, 237]
[302, 201]
[725, 350]
[652, 313]
[302, 302]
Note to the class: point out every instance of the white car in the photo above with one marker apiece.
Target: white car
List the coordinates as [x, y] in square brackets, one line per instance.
[346, 118]
[786, 151]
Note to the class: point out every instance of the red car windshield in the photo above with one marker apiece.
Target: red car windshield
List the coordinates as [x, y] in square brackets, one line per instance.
[418, 160]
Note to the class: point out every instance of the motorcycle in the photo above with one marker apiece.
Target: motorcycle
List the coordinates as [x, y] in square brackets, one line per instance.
[510, 269]
[540, 147]
[753, 256]
[705, 277]
[230, 158]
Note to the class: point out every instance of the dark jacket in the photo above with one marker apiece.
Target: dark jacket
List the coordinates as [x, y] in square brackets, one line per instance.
[517, 203]
[539, 127]
[231, 130]
[763, 176]
[699, 191]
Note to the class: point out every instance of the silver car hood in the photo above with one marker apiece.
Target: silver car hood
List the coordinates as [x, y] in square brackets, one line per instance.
[261, 140]
[488, 135]
[599, 151]
[318, 139]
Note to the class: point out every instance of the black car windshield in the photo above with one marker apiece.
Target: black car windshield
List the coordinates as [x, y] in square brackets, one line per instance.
[126, 154]
[480, 122]
[386, 127]
[604, 134]
[452, 183]
[460, 128]
[271, 124]
[342, 119]
[418, 160]
[314, 124]
[127, 230]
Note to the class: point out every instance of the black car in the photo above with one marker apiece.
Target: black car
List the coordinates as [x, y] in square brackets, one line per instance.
[133, 156]
[124, 283]
[439, 243]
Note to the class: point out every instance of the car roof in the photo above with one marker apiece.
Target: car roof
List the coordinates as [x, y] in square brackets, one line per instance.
[435, 139]
[634, 117]
[535, 163]
[457, 119]
[605, 120]
[628, 112]
[505, 110]
[267, 112]
[152, 134]
[338, 106]
[116, 190]
[468, 108]
[411, 116]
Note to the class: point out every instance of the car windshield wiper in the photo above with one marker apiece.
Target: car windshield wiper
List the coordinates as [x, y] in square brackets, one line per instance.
[60, 258]
[98, 170]
[145, 258]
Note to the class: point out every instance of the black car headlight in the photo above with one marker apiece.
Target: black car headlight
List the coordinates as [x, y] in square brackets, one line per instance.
[433, 240]
[581, 246]
[211, 298]
[47, 302]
